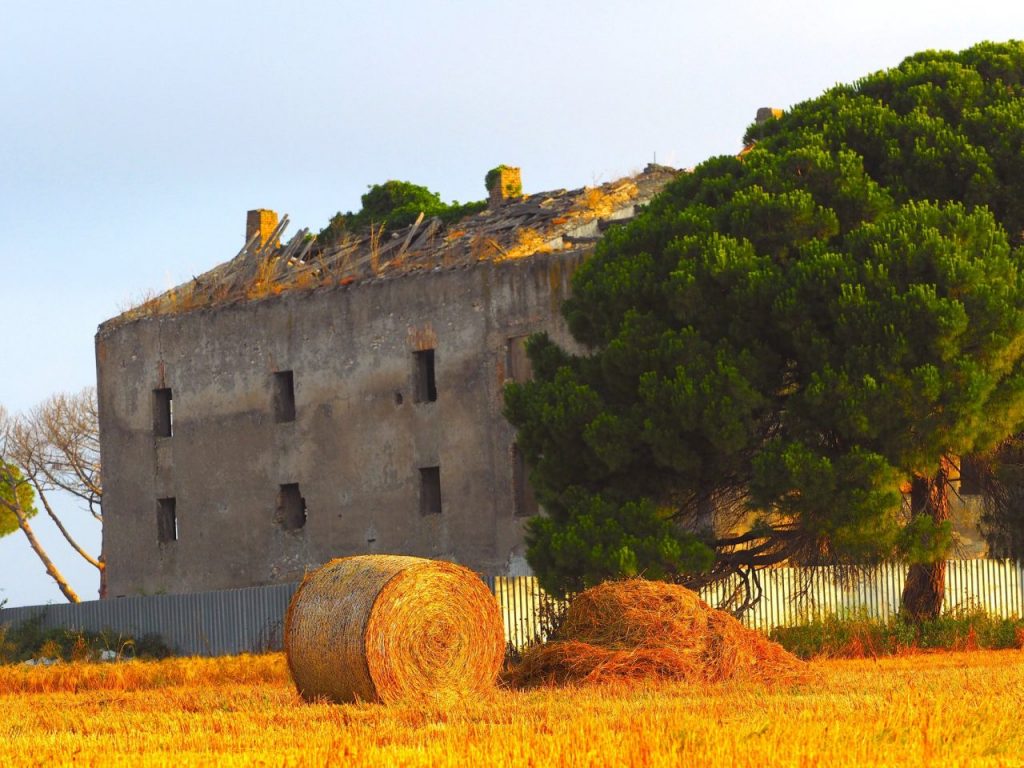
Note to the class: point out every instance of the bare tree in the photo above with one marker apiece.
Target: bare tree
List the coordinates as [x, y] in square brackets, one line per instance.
[53, 449]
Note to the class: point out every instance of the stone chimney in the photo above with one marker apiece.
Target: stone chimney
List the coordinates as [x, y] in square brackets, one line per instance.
[503, 183]
[764, 114]
[263, 221]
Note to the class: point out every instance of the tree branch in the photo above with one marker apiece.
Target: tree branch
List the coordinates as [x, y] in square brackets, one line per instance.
[41, 494]
[21, 516]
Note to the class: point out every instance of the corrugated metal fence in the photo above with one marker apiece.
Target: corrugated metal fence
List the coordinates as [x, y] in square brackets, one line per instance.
[251, 620]
[202, 624]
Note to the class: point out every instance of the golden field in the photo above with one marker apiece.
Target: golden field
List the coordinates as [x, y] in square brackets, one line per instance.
[925, 710]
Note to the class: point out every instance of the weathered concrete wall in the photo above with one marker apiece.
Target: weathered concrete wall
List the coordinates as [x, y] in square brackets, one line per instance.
[358, 439]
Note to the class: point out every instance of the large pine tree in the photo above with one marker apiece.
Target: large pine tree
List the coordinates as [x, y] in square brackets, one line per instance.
[793, 335]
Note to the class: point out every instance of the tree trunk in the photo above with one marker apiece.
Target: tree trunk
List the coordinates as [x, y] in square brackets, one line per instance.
[103, 577]
[926, 582]
[51, 568]
[22, 518]
[41, 495]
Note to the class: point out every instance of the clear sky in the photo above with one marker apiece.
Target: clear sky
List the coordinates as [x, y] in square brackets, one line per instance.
[135, 135]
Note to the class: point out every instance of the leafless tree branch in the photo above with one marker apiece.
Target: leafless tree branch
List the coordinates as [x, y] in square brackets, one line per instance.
[13, 483]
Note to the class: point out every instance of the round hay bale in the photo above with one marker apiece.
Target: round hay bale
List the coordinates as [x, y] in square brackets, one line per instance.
[387, 627]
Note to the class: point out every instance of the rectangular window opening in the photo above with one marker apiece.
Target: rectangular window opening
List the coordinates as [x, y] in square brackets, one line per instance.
[430, 490]
[163, 413]
[524, 500]
[166, 520]
[425, 388]
[517, 363]
[291, 508]
[284, 396]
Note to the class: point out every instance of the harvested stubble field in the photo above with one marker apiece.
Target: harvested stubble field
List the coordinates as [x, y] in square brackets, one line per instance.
[939, 709]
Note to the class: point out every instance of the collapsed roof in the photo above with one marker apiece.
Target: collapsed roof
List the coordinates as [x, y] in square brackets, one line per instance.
[545, 222]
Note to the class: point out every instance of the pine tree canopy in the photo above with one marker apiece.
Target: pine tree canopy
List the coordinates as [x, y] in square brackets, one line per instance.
[785, 337]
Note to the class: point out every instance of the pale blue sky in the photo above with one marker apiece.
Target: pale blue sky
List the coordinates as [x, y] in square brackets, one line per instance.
[135, 135]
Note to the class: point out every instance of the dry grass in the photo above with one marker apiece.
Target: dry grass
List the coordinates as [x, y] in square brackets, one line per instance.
[926, 710]
[142, 675]
[598, 202]
[529, 242]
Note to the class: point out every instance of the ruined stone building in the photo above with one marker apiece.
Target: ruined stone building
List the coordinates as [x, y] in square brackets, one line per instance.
[295, 405]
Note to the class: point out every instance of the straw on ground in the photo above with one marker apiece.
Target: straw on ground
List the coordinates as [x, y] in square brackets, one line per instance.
[647, 630]
[926, 710]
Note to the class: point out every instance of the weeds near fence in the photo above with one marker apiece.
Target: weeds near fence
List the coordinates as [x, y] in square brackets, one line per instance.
[548, 615]
[29, 641]
[860, 636]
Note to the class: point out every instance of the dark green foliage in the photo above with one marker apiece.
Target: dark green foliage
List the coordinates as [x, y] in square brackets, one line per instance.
[393, 205]
[149, 646]
[29, 640]
[596, 539]
[859, 636]
[800, 329]
[492, 176]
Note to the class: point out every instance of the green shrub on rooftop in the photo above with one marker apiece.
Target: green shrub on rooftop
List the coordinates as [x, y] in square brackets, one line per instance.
[394, 205]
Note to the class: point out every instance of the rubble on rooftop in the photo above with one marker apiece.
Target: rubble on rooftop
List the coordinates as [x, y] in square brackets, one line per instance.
[545, 222]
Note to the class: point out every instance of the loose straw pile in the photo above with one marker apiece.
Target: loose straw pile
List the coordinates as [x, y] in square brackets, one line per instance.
[386, 628]
[637, 629]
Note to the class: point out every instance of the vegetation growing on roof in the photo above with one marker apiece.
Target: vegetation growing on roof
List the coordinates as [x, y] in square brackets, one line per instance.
[340, 256]
[512, 189]
[393, 205]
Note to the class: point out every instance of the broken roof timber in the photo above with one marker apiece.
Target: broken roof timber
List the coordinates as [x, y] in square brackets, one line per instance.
[559, 220]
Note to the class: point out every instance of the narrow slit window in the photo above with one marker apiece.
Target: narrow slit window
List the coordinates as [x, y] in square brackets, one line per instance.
[430, 490]
[163, 413]
[426, 384]
[166, 520]
[517, 363]
[291, 508]
[524, 500]
[284, 396]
